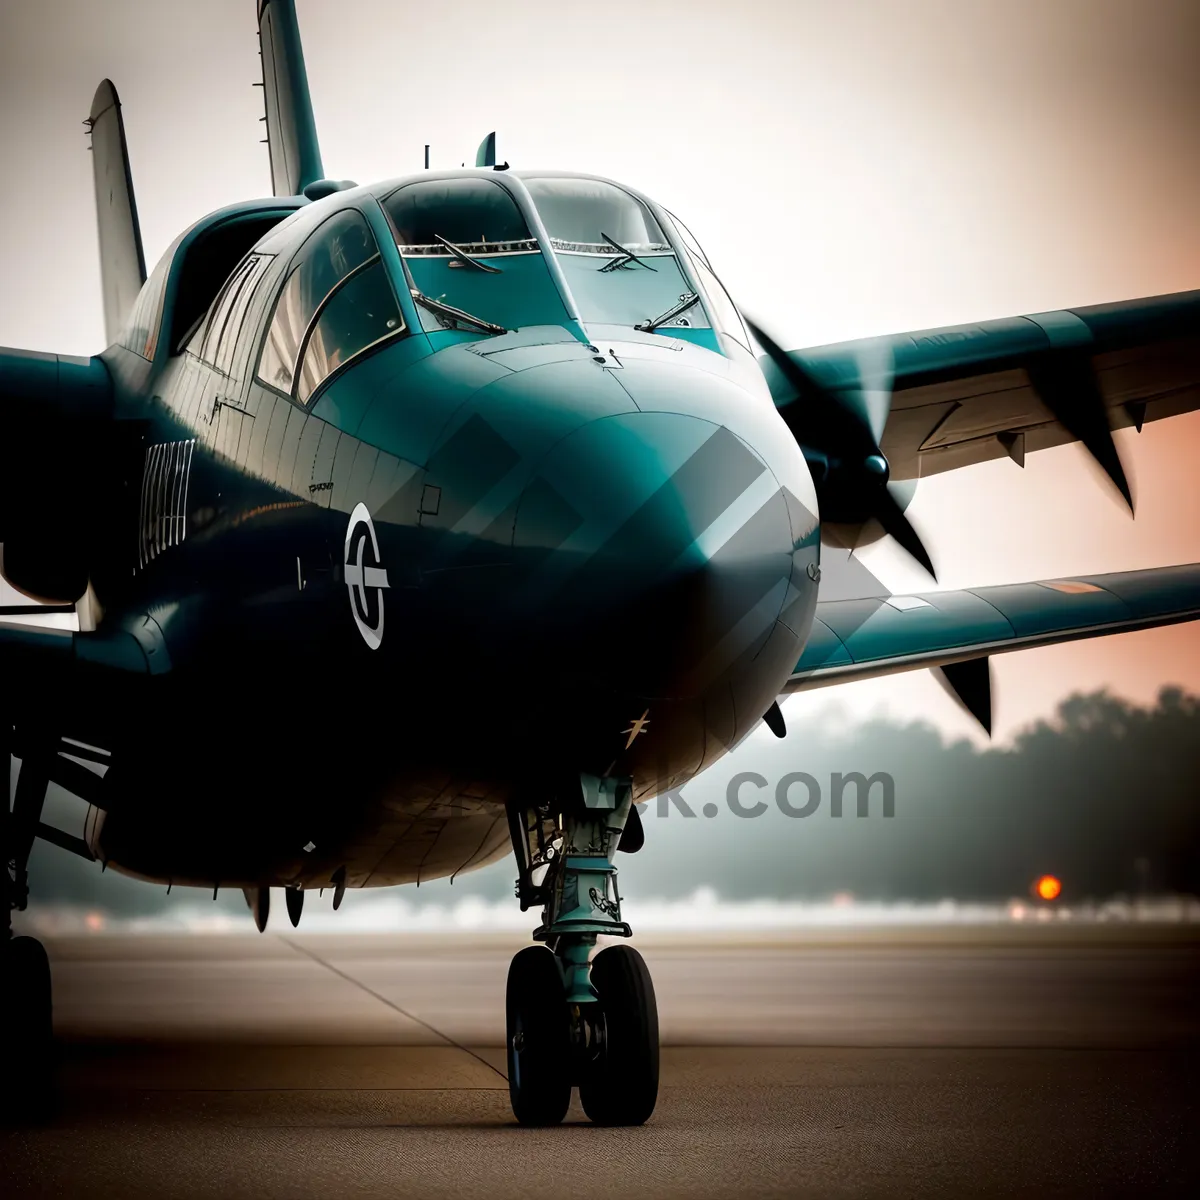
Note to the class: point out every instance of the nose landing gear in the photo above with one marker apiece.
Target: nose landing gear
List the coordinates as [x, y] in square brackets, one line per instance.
[621, 1086]
[539, 1039]
[573, 1020]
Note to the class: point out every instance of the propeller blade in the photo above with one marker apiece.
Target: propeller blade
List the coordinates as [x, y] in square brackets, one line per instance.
[849, 426]
[827, 422]
[791, 370]
[876, 372]
[1067, 386]
[903, 491]
[891, 516]
[970, 683]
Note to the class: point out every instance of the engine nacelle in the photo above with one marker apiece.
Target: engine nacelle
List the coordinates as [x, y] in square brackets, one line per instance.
[55, 445]
[46, 571]
[852, 535]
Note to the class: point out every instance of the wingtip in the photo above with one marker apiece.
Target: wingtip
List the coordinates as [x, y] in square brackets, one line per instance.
[105, 98]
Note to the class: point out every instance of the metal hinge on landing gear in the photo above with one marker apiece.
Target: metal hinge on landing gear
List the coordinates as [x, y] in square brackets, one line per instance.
[20, 820]
[536, 839]
[565, 854]
[565, 860]
[584, 897]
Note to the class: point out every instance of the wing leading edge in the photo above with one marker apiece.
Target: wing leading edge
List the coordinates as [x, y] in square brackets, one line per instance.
[863, 639]
[965, 394]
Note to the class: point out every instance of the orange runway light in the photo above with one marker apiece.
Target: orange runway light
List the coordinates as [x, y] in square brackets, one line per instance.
[1047, 887]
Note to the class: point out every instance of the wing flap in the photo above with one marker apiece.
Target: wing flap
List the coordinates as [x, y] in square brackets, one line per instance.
[863, 639]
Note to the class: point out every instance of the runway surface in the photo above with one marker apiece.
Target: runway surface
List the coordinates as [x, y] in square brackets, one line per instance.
[937, 1062]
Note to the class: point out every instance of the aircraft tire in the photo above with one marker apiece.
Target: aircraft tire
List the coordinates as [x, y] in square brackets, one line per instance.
[539, 1039]
[27, 1059]
[622, 1085]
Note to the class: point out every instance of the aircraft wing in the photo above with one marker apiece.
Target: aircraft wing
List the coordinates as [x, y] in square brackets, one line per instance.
[968, 393]
[956, 631]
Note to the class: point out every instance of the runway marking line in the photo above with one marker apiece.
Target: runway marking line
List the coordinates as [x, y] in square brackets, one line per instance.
[390, 1004]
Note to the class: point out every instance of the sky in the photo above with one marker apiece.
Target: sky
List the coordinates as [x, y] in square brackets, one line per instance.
[851, 170]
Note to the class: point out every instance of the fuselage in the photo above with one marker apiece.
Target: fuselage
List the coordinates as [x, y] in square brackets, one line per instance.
[424, 522]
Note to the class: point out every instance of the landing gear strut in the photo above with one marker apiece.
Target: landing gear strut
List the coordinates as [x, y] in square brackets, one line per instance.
[26, 1029]
[573, 1020]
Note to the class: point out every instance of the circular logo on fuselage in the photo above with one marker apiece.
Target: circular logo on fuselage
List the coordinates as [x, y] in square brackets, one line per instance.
[366, 578]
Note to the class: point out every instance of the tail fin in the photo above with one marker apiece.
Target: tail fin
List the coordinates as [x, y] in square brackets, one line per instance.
[122, 263]
[291, 130]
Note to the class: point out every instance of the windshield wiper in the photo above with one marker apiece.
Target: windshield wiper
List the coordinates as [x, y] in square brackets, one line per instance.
[464, 258]
[685, 302]
[454, 318]
[627, 257]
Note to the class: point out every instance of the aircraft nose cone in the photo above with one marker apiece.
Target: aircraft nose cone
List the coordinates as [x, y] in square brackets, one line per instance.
[655, 551]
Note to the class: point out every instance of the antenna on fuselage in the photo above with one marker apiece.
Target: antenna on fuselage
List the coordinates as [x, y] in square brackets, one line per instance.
[485, 156]
[427, 156]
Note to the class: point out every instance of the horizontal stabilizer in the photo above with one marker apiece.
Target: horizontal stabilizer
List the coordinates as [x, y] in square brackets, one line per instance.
[122, 263]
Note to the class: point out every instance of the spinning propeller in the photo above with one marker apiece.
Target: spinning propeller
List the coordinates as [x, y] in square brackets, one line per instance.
[839, 431]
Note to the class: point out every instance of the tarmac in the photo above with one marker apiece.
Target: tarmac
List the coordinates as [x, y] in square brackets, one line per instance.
[906, 1062]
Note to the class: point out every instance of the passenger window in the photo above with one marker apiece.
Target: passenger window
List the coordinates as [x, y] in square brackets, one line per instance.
[333, 252]
[219, 313]
[360, 312]
[235, 316]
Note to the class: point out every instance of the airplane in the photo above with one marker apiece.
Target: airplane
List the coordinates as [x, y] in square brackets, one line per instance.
[358, 457]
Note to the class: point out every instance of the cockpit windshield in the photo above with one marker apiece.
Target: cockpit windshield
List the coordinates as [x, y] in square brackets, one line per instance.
[471, 258]
[617, 260]
[586, 216]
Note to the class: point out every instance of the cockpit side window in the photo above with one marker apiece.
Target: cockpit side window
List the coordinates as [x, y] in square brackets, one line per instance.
[724, 311]
[471, 260]
[277, 360]
[689, 242]
[335, 303]
[360, 312]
